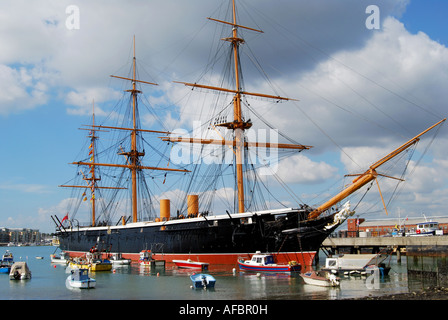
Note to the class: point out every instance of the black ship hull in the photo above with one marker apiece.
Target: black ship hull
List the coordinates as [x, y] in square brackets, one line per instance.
[214, 239]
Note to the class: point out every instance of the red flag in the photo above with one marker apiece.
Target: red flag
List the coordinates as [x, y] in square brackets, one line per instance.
[65, 218]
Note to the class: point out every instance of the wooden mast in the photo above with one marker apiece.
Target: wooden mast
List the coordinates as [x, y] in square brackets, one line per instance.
[92, 170]
[369, 175]
[91, 182]
[133, 156]
[238, 125]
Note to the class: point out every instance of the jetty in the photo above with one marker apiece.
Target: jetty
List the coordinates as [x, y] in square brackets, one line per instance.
[414, 245]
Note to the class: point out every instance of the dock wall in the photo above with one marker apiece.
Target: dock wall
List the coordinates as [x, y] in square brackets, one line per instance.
[426, 256]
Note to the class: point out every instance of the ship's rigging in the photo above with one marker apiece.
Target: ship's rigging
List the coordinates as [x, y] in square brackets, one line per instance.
[225, 134]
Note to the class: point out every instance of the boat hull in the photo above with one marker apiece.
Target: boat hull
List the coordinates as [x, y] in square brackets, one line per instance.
[269, 268]
[202, 281]
[214, 239]
[83, 284]
[312, 278]
[188, 264]
[5, 269]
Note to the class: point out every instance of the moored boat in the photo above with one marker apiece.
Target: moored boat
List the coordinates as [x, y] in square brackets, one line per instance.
[6, 262]
[203, 281]
[62, 258]
[79, 278]
[20, 271]
[190, 264]
[117, 260]
[266, 263]
[92, 262]
[327, 279]
[427, 228]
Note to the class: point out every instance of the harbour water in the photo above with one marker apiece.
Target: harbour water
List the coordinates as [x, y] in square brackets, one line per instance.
[139, 283]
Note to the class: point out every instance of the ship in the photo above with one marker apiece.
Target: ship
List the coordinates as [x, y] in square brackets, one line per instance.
[190, 229]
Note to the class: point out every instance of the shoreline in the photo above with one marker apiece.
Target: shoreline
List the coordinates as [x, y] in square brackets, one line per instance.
[430, 293]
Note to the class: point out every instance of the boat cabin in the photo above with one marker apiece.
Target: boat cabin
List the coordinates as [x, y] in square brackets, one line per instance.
[262, 259]
[427, 227]
[80, 275]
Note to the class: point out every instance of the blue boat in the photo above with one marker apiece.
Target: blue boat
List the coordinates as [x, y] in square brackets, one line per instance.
[203, 281]
[6, 262]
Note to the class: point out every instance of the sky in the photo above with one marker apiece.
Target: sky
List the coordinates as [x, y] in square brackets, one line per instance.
[364, 86]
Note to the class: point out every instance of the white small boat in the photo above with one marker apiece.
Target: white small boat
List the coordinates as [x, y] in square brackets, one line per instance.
[427, 228]
[266, 263]
[190, 264]
[19, 271]
[63, 258]
[79, 278]
[117, 260]
[322, 280]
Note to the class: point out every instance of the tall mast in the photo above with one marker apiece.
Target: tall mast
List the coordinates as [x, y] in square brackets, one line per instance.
[238, 125]
[134, 155]
[92, 170]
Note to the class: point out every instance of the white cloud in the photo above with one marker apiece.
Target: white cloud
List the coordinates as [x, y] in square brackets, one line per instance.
[301, 169]
[21, 89]
[27, 188]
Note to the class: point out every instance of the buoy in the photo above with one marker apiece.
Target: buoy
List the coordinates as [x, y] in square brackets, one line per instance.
[54, 266]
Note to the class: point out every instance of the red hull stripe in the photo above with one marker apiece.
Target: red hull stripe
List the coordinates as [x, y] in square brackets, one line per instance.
[303, 258]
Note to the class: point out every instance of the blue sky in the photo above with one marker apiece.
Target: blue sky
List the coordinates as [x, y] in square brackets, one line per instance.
[429, 17]
[50, 75]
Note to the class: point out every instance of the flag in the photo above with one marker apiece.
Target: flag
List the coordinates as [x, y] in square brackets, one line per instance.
[65, 218]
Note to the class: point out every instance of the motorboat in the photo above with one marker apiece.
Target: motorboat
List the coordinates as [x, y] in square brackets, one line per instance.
[79, 278]
[117, 260]
[146, 260]
[63, 258]
[427, 228]
[20, 271]
[190, 264]
[6, 262]
[321, 279]
[93, 262]
[203, 281]
[266, 263]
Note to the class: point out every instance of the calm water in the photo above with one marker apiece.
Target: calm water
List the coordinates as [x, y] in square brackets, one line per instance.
[136, 283]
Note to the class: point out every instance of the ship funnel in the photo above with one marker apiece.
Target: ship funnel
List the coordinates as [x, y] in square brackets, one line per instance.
[193, 205]
[164, 209]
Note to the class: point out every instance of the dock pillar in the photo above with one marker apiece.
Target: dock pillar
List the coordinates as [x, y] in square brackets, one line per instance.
[398, 255]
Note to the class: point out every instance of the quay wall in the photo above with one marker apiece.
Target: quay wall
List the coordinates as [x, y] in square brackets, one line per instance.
[426, 256]
[418, 245]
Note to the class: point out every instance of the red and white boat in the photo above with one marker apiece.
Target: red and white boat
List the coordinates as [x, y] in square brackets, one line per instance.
[190, 264]
[266, 263]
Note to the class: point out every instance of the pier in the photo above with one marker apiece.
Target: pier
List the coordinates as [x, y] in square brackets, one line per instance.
[419, 245]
